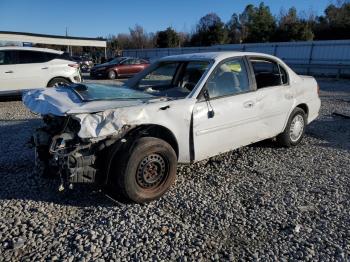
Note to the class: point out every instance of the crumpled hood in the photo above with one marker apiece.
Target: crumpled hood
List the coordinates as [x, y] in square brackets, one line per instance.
[64, 100]
[101, 118]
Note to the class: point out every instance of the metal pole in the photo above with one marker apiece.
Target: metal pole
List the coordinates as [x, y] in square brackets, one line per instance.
[310, 57]
[68, 47]
[106, 52]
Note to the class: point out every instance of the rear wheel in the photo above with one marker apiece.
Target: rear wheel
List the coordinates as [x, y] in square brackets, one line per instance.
[295, 129]
[146, 171]
[112, 75]
[58, 81]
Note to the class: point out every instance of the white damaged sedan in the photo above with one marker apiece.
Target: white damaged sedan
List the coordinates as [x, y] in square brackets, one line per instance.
[182, 109]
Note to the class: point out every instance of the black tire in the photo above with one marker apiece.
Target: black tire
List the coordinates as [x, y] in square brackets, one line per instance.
[288, 138]
[112, 75]
[145, 171]
[58, 81]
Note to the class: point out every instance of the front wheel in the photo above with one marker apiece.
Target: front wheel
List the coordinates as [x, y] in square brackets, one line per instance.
[295, 129]
[147, 171]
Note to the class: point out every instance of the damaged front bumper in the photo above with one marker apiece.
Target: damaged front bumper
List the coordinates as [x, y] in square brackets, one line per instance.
[69, 157]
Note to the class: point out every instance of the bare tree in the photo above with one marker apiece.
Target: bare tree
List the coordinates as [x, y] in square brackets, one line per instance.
[138, 37]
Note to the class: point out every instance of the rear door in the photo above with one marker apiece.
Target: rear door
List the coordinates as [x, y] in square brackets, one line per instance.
[125, 67]
[274, 95]
[31, 69]
[230, 118]
[138, 66]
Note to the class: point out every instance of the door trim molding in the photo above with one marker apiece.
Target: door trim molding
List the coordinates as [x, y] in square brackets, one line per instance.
[236, 123]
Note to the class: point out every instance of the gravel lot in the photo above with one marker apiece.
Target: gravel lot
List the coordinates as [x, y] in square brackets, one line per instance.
[260, 202]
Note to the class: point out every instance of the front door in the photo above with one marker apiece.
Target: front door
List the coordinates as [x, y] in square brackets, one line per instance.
[230, 118]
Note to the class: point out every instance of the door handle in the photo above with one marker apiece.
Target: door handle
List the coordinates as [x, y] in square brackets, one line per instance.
[45, 67]
[9, 72]
[248, 104]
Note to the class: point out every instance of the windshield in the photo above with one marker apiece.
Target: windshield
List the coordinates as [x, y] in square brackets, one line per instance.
[93, 92]
[172, 78]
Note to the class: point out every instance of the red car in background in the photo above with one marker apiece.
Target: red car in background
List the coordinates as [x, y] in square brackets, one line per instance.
[119, 67]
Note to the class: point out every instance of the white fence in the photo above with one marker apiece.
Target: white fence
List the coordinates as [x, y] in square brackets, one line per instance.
[331, 58]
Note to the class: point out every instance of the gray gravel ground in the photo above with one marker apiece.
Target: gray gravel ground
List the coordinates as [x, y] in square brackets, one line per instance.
[260, 202]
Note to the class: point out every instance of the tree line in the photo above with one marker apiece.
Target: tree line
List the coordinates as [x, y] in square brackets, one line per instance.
[256, 24]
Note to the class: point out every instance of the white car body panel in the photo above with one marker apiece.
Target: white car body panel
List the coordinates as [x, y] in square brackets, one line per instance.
[233, 125]
[26, 76]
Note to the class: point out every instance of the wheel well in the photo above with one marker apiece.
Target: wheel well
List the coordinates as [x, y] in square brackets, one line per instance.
[56, 78]
[304, 108]
[157, 131]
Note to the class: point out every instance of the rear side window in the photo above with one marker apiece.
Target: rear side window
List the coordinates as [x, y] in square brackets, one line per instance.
[65, 56]
[30, 57]
[51, 56]
[128, 62]
[268, 73]
[137, 62]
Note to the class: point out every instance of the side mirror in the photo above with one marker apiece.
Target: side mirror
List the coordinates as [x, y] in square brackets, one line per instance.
[206, 96]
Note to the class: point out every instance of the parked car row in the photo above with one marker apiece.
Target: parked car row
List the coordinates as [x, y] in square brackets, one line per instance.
[119, 67]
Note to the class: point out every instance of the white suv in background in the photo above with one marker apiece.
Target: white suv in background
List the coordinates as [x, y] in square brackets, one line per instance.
[23, 68]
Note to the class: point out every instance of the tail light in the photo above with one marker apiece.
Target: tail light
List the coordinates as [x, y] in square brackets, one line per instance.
[318, 89]
[74, 65]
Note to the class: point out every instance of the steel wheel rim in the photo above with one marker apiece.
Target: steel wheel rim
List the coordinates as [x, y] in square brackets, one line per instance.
[152, 171]
[296, 128]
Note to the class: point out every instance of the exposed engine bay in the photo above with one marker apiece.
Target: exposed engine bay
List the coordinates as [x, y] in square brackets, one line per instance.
[61, 152]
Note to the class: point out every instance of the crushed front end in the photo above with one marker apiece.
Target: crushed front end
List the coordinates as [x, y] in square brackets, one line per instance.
[60, 152]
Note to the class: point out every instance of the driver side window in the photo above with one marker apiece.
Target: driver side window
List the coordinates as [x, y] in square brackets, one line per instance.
[228, 78]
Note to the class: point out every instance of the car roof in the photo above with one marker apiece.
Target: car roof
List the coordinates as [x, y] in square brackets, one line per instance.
[213, 55]
[31, 49]
[130, 57]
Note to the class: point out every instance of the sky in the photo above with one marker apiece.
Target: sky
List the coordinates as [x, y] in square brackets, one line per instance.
[93, 18]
